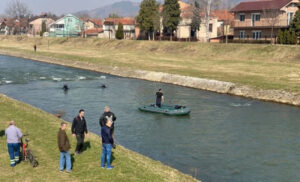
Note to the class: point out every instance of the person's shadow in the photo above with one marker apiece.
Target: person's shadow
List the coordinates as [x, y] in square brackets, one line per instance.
[2, 133]
[112, 158]
[86, 146]
[72, 160]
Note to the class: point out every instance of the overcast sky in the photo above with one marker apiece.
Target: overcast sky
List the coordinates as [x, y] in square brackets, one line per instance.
[60, 6]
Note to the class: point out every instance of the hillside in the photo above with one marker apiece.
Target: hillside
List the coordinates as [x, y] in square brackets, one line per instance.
[123, 8]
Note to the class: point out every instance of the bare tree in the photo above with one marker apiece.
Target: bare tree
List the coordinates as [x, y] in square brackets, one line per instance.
[272, 19]
[17, 9]
[207, 7]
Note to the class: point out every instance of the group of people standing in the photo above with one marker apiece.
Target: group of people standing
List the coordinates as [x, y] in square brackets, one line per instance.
[79, 130]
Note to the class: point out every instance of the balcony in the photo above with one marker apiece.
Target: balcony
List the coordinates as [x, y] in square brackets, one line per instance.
[260, 24]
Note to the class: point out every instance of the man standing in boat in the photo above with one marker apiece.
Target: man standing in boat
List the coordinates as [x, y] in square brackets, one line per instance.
[159, 97]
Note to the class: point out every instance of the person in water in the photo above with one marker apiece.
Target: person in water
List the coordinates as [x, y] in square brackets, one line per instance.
[65, 87]
[103, 86]
[159, 98]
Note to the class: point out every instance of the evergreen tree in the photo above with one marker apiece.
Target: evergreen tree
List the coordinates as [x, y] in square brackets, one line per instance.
[293, 38]
[196, 20]
[44, 28]
[171, 16]
[120, 32]
[149, 18]
[286, 37]
[295, 24]
[280, 39]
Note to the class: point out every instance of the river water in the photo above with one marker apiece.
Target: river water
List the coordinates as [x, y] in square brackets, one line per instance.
[225, 138]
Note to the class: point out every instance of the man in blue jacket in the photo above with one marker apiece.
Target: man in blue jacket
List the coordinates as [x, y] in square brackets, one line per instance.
[107, 143]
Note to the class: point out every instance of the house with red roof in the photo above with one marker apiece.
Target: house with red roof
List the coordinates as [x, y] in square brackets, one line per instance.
[110, 27]
[92, 28]
[261, 19]
[184, 27]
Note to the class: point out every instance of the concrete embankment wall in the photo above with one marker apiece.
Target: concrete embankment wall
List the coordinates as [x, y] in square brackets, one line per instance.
[198, 83]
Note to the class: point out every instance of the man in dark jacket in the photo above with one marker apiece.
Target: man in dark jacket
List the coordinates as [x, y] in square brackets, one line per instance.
[79, 129]
[107, 115]
[107, 143]
[64, 147]
[159, 97]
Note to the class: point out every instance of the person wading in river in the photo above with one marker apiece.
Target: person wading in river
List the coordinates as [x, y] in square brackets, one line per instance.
[108, 115]
[79, 129]
[159, 98]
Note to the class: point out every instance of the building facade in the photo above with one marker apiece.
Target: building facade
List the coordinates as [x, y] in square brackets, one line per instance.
[261, 20]
[110, 27]
[35, 26]
[184, 27]
[68, 26]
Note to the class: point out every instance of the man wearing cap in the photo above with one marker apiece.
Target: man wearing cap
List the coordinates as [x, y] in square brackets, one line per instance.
[64, 147]
[13, 135]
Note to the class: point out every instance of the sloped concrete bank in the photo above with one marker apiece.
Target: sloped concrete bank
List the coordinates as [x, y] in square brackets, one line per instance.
[278, 96]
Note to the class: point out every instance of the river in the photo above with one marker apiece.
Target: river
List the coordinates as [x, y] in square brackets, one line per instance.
[225, 138]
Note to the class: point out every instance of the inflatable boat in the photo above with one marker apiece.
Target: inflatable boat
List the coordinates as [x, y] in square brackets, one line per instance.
[166, 109]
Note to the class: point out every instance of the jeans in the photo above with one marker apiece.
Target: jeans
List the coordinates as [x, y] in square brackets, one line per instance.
[106, 153]
[80, 140]
[14, 153]
[65, 158]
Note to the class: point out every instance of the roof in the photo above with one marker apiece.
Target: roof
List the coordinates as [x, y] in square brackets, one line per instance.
[223, 15]
[116, 21]
[260, 5]
[93, 20]
[16, 22]
[93, 31]
[65, 17]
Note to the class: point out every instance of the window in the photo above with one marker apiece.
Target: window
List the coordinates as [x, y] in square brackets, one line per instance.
[290, 16]
[242, 34]
[256, 35]
[59, 25]
[242, 17]
[210, 27]
[255, 17]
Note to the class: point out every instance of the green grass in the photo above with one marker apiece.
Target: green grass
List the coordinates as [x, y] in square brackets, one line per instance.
[43, 127]
[258, 66]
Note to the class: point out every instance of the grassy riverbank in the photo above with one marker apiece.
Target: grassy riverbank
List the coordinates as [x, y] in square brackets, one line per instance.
[258, 66]
[43, 128]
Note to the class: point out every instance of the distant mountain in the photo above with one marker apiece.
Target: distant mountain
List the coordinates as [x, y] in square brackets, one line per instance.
[123, 8]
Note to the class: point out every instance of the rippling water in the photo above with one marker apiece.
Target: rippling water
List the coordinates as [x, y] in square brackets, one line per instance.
[225, 138]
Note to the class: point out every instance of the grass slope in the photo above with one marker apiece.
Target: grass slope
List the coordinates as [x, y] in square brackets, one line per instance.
[43, 128]
[258, 66]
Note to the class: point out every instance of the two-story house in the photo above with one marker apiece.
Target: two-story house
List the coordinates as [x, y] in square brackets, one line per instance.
[261, 19]
[67, 26]
[110, 27]
[35, 26]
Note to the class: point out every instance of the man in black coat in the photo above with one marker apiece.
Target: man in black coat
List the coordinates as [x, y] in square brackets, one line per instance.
[79, 129]
[108, 115]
